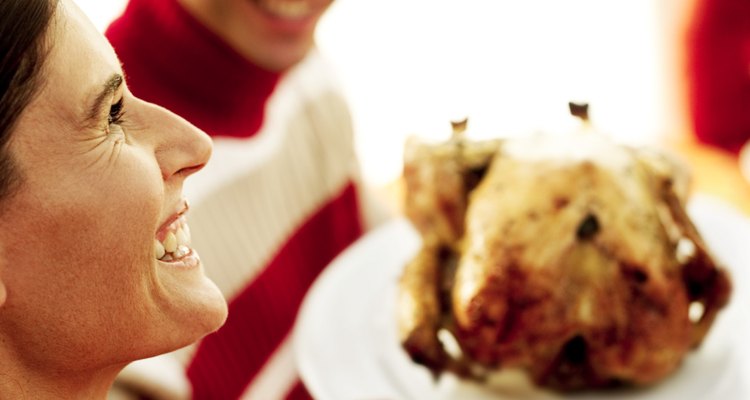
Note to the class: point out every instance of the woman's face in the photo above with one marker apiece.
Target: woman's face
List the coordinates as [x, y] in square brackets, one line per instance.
[102, 175]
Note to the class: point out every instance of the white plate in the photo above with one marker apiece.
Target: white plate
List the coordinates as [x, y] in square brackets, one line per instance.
[346, 343]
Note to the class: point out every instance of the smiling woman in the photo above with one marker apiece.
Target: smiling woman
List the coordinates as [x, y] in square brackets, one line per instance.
[82, 293]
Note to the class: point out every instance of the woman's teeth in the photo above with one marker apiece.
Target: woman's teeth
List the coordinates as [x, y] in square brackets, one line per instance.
[285, 8]
[176, 243]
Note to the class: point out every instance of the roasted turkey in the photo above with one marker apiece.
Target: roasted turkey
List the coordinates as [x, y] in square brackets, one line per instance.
[569, 257]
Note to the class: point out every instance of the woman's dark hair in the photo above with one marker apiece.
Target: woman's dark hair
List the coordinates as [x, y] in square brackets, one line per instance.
[23, 24]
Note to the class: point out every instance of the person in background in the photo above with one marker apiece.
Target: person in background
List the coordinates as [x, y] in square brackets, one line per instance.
[282, 196]
[95, 268]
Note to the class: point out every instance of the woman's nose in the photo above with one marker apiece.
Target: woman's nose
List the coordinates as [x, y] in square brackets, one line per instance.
[182, 149]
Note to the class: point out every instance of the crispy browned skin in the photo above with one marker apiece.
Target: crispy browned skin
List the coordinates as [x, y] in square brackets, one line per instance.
[567, 262]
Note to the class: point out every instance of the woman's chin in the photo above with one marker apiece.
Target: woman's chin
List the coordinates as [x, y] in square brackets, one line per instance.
[191, 301]
[209, 309]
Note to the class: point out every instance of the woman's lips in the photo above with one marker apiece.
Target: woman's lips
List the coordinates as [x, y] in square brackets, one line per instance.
[172, 242]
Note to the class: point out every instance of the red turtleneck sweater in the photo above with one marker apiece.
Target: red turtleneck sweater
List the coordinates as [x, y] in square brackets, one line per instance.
[276, 203]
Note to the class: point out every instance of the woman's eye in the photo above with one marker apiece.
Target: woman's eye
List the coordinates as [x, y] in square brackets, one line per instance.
[116, 112]
[115, 120]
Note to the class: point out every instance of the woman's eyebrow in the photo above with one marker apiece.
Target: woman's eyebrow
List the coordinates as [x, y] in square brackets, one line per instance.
[107, 89]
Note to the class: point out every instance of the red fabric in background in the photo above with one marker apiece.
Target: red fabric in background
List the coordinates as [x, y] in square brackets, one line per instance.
[299, 393]
[718, 67]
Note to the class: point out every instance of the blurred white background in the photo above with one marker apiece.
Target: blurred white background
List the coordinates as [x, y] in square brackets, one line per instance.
[410, 66]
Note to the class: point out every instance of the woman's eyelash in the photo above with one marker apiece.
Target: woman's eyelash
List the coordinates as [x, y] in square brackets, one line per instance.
[116, 112]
